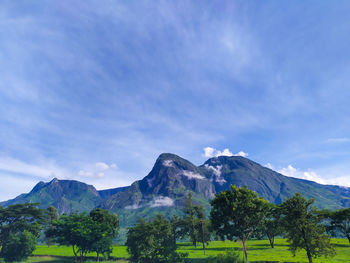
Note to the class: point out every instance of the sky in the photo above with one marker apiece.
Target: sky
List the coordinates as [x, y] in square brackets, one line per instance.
[96, 90]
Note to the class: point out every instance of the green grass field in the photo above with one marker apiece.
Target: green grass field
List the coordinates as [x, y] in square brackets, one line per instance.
[258, 250]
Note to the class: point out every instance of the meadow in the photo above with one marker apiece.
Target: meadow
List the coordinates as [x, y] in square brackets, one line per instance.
[258, 251]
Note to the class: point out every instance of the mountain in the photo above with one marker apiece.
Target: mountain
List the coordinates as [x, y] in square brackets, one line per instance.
[164, 189]
[66, 195]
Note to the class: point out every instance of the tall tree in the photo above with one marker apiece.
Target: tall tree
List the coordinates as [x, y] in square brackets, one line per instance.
[51, 214]
[202, 226]
[105, 230]
[237, 214]
[303, 228]
[190, 219]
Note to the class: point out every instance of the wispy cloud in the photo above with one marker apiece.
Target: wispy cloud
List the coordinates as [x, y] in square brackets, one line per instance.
[338, 140]
[212, 152]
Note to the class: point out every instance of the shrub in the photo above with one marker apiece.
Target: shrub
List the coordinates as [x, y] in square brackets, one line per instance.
[229, 257]
[19, 246]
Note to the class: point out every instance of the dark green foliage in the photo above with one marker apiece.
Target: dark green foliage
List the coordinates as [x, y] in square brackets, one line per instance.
[229, 257]
[340, 222]
[152, 242]
[19, 246]
[51, 214]
[86, 233]
[272, 225]
[237, 214]
[105, 230]
[304, 229]
[20, 227]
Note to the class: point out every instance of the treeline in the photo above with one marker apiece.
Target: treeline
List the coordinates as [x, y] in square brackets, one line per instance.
[236, 214]
[240, 214]
[22, 224]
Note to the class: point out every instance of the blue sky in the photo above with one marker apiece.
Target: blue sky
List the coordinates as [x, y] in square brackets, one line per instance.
[96, 90]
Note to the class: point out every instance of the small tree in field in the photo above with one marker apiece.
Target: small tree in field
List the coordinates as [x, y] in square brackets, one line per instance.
[272, 225]
[152, 242]
[86, 233]
[303, 228]
[237, 214]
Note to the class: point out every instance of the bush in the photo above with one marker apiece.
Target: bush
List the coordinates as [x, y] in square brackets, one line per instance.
[229, 257]
[19, 246]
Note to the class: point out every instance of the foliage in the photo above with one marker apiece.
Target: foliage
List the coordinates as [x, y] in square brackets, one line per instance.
[20, 227]
[86, 233]
[272, 225]
[340, 222]
[51, 214]
[303, 228]
[229, 257]
[19, 246]
[106, 228]
[237, 214]
[152, 242]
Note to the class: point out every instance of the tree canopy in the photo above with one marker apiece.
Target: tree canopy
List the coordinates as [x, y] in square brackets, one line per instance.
[304, 229]
[152, 242]
[237, 214]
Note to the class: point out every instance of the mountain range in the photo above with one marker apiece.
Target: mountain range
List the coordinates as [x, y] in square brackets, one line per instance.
[165, 188]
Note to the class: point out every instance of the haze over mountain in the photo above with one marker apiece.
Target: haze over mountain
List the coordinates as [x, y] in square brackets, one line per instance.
[164, 189]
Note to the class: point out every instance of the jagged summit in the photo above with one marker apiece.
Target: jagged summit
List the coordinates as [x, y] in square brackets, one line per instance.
[172, 177]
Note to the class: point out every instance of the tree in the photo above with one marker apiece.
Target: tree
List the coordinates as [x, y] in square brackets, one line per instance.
[177, 225]
[272, 226]
[19, 246]
[202, 226]
[190, 220]
[51, 215]
[340, 222]
[105, 230]
[152, 242]
[237, 214]
[73, 230]
[303, 228]
[20, 227]
[86, 233]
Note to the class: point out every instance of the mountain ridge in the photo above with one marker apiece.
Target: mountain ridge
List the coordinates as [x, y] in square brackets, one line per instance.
[166, 186]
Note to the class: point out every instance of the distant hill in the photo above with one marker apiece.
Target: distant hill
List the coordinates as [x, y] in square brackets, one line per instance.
[164, 189]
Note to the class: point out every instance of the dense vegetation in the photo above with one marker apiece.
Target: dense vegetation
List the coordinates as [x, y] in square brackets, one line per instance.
[238, 214]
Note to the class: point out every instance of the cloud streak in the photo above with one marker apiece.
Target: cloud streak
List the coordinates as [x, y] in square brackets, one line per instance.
[212, 152]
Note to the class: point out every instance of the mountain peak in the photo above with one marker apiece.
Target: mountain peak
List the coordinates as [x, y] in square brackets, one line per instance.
[54, 181]
[168, 156]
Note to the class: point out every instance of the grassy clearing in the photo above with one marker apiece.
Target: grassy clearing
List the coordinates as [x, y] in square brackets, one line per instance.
[258, 250]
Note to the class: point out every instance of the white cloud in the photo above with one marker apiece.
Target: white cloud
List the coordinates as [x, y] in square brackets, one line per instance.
[98, 171]
[168, 163]
[270, 166]
[212, 152]
[338, 140]
[192, 175]
[102, 166]
[12, 186]
[162, 201]
[217, 172]
[46, 170]
[307, 175]
[132, 207]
